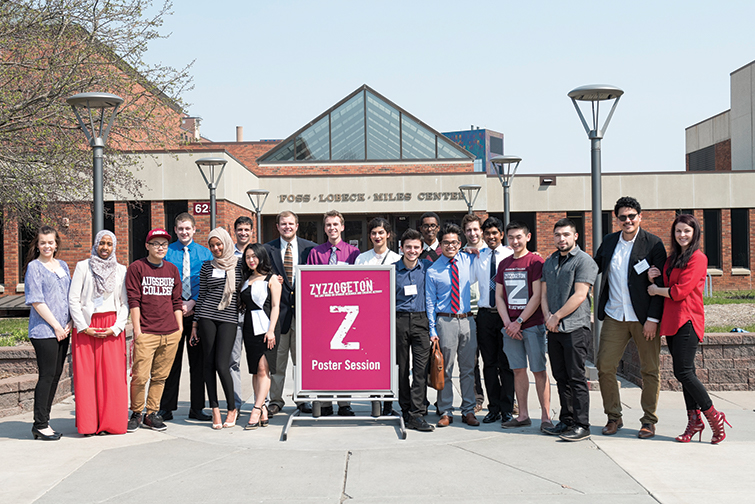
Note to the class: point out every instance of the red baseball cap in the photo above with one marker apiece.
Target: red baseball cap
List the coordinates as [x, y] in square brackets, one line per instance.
[157, 233]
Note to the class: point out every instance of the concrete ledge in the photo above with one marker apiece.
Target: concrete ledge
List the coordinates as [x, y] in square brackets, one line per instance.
[740, 272]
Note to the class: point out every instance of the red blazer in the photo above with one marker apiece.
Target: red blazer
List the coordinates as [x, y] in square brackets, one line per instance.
[686, 302]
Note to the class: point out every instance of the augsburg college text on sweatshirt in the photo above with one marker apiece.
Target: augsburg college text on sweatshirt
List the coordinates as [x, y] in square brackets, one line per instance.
[156, 291]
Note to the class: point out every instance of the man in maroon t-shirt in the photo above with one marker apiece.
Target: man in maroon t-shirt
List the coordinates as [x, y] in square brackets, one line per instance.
[154, 298]
[518, 303]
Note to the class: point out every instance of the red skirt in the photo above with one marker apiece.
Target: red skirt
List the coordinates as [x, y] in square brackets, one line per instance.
[99, 379]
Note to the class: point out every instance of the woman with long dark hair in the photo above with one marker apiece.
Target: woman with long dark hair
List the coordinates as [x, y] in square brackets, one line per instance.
[259, 299]
[99, 309]
[216, 319]
[683, 322]
[46, 284]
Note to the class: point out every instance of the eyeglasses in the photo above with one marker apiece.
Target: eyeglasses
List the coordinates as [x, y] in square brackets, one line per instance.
[158, 246]
[429, 226]
[454, 243]
[631, 216]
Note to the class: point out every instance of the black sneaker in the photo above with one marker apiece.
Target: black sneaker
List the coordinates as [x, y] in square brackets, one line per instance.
[154, 421]
[577, 433]
[134, 422]
[166, 415]
[557, 429]
[419, 424]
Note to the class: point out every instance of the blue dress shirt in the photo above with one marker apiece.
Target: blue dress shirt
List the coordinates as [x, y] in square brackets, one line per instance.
[415, 276]
[438, 287]
[197, 255]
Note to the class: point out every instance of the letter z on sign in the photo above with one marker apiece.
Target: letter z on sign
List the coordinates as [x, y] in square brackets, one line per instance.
[351, 314]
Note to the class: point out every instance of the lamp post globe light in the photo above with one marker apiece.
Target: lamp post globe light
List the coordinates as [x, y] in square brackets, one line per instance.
[470, 192]
[94, 102]
[210, 165]
[595, 94]
[258, 197]
[506, 174]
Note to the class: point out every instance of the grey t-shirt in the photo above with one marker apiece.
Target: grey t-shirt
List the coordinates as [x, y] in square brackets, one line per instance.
[561, 276]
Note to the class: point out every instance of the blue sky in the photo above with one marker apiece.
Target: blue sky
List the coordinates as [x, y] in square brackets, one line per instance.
[272, 67]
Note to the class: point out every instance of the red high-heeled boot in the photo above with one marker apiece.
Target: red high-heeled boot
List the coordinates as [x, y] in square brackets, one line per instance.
[694, 425]
[716, 419]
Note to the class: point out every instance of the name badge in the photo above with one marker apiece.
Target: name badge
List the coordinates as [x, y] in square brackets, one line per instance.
[341, 263]
[641, 267]
[410, 290]
[98, 301]
[60, 272]
[218, 273]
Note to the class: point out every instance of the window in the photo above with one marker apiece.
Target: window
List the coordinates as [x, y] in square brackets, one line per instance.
[703, 159]
[172, 209]
[530, 219]
[579, 224]
[712, 237]
[740, 238]
[496, 145]
[110, 216]
[607, 222]
[140, 220]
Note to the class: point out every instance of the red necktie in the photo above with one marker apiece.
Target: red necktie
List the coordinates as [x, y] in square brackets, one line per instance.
[454, 287]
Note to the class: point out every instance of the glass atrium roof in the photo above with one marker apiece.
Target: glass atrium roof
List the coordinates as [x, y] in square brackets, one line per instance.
[364, 126]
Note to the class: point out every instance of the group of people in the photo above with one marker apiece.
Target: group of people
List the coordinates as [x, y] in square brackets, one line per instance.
[506, 304]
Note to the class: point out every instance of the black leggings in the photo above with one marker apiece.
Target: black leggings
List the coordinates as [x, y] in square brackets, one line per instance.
[217, 344]
[683, 347]
[51, 356]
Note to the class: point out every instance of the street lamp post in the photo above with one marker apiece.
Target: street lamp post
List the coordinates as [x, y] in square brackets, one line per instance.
[595, 94]
[210, 165]
[96, 137]
[470, 192]
[258, 197]
[506, 174]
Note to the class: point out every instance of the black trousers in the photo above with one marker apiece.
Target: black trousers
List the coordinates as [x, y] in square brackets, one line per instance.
[169, 401]
[499, 378]
[51, 356]
[412, 338]
[217, 343]
[567, 353]
[683, 347]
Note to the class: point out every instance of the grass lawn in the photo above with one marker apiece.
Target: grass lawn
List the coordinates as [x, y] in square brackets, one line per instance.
[13, 331]
[731, 297]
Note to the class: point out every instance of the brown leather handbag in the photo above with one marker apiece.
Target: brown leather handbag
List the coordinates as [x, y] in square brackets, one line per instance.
[437, 374]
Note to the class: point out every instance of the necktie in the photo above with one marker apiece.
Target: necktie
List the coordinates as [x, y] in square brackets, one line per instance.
[333, 259]
[288, 264]
[454, 287]
[186, 275]
[493, 271]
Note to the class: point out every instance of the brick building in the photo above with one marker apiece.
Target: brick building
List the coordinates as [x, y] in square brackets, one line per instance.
[366, 156]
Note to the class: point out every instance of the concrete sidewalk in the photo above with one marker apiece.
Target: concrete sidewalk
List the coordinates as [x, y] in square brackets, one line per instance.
[365, 462]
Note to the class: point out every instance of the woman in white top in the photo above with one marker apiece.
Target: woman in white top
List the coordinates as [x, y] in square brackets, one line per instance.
[380, 233]
[99, 309]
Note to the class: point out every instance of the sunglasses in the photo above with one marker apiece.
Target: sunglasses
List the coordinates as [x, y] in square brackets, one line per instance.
[631, 216]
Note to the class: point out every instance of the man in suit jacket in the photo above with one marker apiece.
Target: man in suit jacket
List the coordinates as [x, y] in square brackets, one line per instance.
[628, 312]
[286, 253]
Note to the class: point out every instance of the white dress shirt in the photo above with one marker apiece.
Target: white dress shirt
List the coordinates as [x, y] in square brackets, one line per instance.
[371, 257]
[481, 273]
[619, 306]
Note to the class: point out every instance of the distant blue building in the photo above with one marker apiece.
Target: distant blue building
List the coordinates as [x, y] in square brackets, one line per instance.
[483, 143]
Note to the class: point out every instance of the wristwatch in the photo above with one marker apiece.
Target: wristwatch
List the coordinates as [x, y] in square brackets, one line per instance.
[519, 320]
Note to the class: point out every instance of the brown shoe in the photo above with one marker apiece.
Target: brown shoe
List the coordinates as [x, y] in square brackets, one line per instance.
[272, 410]
[646, 431]
[445, 421]
[470, 420]
[612, 427]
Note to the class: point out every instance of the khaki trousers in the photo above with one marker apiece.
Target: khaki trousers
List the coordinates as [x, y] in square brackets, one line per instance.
[614, 337]
[153, 359]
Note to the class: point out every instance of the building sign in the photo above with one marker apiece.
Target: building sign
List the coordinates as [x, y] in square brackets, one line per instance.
[201, 208]
[379, 197]
[345, 329]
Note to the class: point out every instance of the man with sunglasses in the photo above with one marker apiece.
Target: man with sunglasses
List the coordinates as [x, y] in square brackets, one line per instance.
[628, 312]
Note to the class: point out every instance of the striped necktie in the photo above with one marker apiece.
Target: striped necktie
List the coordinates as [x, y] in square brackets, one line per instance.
[455, 305]
[186, 276]
[493, 271]
[288, 264]
[333, 259]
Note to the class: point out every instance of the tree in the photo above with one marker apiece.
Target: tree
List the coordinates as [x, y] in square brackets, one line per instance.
[53, 49]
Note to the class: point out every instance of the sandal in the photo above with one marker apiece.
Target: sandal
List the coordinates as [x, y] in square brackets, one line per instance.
[228, 424]
[250, 425]
[266, 421]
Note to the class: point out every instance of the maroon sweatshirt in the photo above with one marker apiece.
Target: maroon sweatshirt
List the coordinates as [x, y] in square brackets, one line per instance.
[156, 291]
